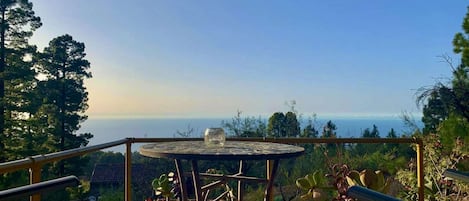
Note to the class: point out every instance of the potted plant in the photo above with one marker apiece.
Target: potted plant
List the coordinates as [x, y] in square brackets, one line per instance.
[166, 187]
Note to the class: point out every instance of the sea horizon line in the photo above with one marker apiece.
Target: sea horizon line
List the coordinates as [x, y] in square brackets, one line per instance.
[304, 116]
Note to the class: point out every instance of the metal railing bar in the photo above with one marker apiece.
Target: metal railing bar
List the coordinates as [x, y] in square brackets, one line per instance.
[29, 161]
[290, 140]
[38, 160]
[16, 165]
[45, 186]
[150, 140]
[330, 140]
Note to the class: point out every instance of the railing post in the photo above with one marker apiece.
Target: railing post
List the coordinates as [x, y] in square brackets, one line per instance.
[240, 183]
[35, 177]
[269, 170]
[420, 170]
[128, 170]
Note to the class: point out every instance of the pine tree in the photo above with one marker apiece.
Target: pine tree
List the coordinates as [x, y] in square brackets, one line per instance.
[64, 94]
[276, 125]
[17, 23]
[374, 133]
[329, 130]
[444, 100]
[292, 126]
[309, 131]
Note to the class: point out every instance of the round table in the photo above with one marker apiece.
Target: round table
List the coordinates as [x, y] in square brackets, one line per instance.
[194, 151]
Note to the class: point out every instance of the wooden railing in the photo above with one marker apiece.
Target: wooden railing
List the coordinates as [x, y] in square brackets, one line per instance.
[35, 163]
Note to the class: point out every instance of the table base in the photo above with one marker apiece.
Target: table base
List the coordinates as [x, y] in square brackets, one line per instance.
[202, 192]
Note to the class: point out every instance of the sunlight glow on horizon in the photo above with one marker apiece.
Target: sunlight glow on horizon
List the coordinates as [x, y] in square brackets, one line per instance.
[210, 59]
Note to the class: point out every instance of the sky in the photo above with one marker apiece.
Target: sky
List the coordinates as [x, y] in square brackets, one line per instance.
[211, 58]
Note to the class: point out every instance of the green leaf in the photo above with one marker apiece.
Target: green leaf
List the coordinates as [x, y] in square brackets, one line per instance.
[155, 183]
[303, 183]
[310, 178]
[317, 177]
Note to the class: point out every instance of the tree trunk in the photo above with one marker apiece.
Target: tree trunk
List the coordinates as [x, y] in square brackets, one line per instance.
[2, 85]
[62, 123]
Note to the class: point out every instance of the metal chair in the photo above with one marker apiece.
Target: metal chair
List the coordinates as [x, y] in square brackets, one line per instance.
[461, 176]
[365, 194]
[45, 186]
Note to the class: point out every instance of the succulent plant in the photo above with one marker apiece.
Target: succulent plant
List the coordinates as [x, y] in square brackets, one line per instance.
[163, 185]
[370, 179]
[314, 184]
[333, 186]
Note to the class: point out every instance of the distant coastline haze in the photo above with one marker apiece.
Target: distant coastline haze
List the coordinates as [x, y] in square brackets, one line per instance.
[109, 129]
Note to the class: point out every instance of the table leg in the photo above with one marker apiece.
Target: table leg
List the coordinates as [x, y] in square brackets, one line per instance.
[240, 184]
[182, 180]
[272, 167]
[196, 178]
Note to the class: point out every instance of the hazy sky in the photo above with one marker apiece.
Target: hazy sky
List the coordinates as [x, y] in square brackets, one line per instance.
[203, 58]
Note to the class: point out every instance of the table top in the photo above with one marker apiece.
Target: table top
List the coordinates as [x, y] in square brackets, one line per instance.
[232, 150]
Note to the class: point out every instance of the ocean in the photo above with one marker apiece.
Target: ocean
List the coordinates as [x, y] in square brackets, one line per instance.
[110, 129]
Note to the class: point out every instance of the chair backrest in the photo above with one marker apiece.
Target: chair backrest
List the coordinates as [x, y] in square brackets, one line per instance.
[40, 187]
[365, 194]
[461, 176]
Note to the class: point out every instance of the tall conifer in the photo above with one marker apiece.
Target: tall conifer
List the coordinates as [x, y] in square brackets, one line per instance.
[17, 23]
[64, 94]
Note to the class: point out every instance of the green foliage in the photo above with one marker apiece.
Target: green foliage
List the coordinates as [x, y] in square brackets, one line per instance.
[391, 146]
[453, 128]
[64, 94]
[436, 161]
[445, 115]
[22, 133]
[329, 130]
[374, 133]
[292, 126]
[112, 195]
[370, 179]
[245, 127]
[164, 185]
[254, 194]
[443, 100]
[279, 125]
[313, 185]
[17, 23]
[434, 111]
[42, 95]
[276, 126]
[309, 131]
[333, 185]
[14, 179]
[392, 134]
[309, 181]
[99, 158]
[63, 91]
[461, 41]
[80, 193]
[363, 149]
[388, 162]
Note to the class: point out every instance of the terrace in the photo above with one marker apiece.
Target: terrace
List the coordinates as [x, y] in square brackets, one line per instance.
[35, 163]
